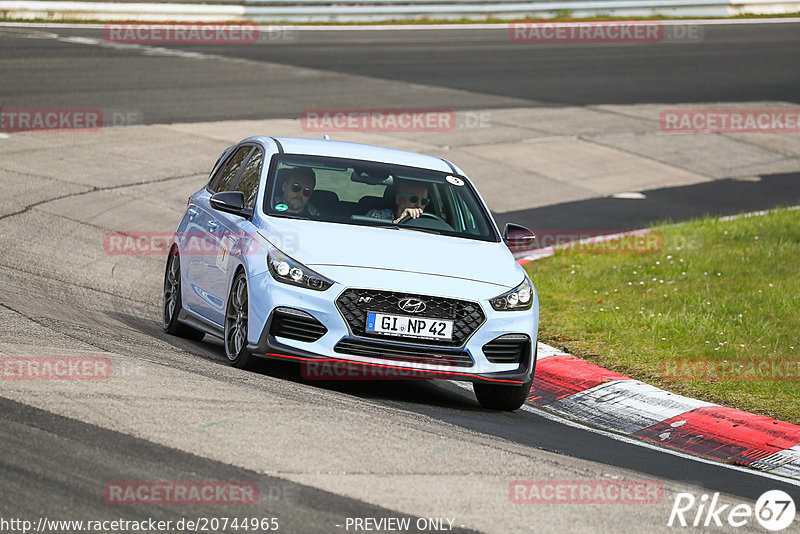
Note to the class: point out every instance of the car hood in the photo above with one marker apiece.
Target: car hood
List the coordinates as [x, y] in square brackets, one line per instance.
[318, 244]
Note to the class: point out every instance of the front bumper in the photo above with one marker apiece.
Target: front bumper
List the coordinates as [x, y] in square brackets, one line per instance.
[337, 352]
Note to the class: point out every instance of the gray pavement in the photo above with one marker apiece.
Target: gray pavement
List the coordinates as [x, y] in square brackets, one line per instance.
[461, 69]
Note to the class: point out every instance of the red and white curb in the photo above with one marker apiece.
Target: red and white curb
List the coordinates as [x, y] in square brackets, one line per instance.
[580, 390]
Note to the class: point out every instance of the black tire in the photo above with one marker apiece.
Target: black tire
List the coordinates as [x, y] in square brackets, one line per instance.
[172, 301]
[236, 315]
[504, 398]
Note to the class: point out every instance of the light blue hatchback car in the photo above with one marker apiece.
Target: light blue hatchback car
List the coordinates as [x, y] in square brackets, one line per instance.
[384, 262]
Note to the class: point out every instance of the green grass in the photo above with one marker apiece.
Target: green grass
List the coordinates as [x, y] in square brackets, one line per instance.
[719, 290]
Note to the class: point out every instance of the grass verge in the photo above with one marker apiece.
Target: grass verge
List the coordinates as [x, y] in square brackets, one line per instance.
[714, 314]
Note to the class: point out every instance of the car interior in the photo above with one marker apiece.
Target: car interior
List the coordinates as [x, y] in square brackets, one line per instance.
[338, 199]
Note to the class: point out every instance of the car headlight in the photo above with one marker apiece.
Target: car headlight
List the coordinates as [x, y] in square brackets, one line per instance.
[285, 269]
[519, 298]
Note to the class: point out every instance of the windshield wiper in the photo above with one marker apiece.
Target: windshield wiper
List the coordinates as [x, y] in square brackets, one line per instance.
[291, 216]
[418, 229]
[383, 225]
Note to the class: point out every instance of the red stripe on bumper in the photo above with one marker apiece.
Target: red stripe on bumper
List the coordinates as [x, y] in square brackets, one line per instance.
[437, 374]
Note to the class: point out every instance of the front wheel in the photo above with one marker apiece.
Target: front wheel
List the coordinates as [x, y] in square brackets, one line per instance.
[505, 398]
[236, 325]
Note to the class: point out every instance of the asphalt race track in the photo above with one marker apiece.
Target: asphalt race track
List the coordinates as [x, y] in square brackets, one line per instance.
[319, 452]
[456, 69]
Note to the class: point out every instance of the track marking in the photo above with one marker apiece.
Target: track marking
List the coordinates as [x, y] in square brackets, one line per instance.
[626, 406]
[625, 439]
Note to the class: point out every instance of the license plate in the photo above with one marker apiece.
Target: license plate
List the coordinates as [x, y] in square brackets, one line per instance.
[403, 325]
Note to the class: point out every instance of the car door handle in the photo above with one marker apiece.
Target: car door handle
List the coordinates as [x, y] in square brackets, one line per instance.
[213, 225]
[192, 213]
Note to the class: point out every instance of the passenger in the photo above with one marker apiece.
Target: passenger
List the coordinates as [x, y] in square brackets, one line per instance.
[296, 190]
[410, 200]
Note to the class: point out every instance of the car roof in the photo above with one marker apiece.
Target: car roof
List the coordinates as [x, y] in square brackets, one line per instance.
[343, 149]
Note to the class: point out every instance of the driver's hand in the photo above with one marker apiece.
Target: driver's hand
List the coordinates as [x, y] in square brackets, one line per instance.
[414, 213]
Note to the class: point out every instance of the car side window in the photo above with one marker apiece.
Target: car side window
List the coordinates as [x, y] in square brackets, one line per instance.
[224, 179]
[248, 181]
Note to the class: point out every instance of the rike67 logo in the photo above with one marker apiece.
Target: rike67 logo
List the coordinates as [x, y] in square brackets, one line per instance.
[774, 510]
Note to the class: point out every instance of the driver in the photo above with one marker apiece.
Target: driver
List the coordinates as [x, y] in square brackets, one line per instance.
[410, 200]
[296, 191]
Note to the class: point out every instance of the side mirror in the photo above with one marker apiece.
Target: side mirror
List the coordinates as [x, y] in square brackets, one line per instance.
[230, 202]
[518, 237]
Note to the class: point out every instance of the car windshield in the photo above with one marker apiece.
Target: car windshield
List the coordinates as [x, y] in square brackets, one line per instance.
[369, 193]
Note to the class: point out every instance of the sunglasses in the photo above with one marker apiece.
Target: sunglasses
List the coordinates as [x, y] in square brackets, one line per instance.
[414, 199]
[307, 191]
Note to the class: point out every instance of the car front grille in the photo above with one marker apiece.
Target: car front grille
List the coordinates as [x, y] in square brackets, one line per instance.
[402, 353]
[296, 324]
[509, 348]
[354, 304]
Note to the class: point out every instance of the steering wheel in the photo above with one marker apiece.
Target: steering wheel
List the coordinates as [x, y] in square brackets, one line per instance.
[421, 215]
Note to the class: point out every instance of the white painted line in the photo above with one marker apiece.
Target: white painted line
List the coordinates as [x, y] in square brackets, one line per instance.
[556, 418]
[626, 405]
[727, 218]
[4, 136]
[144, 49]
[632, 195]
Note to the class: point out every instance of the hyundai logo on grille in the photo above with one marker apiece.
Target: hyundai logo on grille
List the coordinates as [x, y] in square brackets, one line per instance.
[411, 305]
